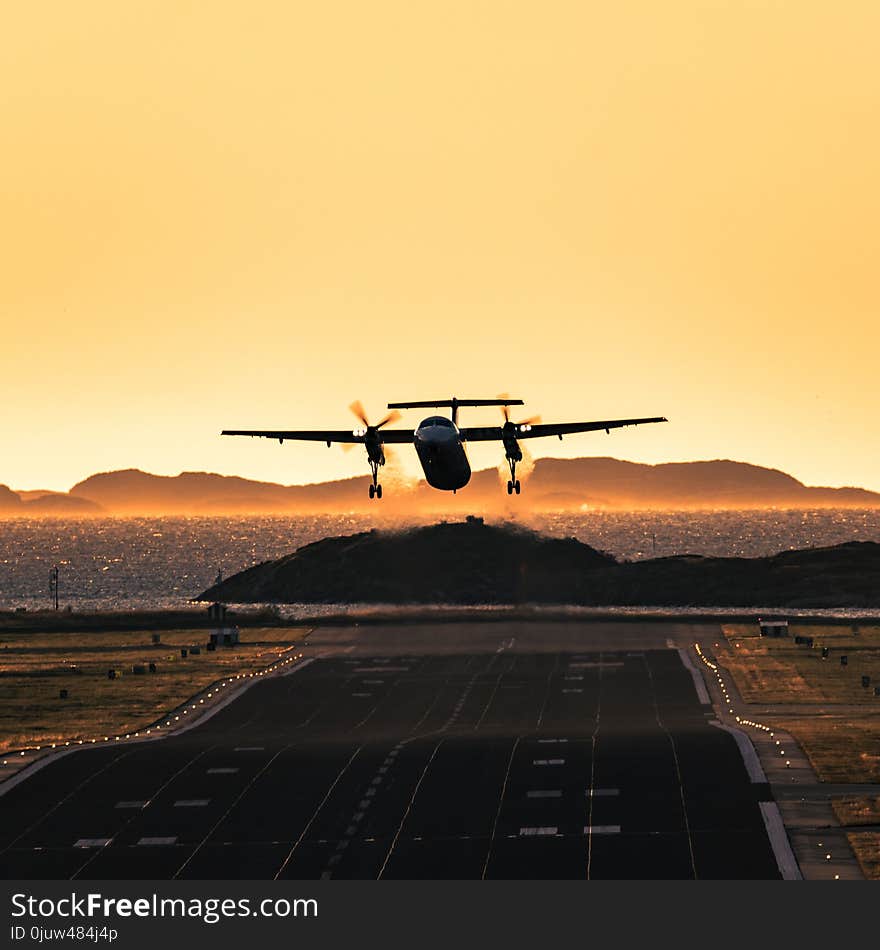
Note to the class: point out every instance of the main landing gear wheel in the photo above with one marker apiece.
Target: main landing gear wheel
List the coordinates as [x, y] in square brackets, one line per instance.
[516, 486]
[372, 491]
[378, 491]
[509, 487]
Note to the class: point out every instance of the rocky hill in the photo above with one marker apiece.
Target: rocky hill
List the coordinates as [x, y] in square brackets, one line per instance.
[474, 563]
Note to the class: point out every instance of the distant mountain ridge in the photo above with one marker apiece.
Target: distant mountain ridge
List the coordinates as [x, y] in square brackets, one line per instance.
[604, 483]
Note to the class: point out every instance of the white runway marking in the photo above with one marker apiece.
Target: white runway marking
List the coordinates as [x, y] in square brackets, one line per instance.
[131, 804]
[602, 792]
[226, 770]
[362, 695]
[548, 761]
[602, 830]
[500, 806]
[544, 793]
[92, 842]
[381, 669]
[572, 691]
[551, 741]
[151, 842]
[548, 830]
[192, 803]
[596, 664]
[249, 748]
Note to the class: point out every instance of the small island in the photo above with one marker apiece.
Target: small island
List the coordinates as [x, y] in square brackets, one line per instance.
[471, 562]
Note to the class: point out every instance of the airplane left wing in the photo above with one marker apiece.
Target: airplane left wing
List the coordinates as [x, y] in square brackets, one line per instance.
[347, 436]
[526, 431]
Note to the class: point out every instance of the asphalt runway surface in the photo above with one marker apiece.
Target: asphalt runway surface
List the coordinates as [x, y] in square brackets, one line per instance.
[456, 751]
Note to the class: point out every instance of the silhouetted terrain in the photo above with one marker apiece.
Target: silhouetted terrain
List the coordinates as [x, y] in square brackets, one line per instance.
[554, 484]
[471, 563]
[9, 500]
[37, 503]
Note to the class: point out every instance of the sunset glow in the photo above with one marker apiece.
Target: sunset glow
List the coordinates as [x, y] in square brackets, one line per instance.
[225, 215]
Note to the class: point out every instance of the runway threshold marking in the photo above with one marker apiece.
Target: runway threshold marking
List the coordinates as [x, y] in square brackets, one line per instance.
[130, 805]
[602, 792]
[540, 831]
[157, 841]
[544, 793]
[192, 803]
[602, 830]
[92, 842]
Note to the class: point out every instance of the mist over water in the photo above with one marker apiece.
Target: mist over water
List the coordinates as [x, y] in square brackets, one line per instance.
[124, 563]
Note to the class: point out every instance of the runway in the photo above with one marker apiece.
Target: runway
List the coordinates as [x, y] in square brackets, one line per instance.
[489, 750]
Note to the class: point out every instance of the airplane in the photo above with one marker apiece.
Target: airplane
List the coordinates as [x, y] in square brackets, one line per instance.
[438, 440]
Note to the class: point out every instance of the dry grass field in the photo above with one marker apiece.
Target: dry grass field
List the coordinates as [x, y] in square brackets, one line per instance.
[834, 717]
[35, 667]
[769, 670]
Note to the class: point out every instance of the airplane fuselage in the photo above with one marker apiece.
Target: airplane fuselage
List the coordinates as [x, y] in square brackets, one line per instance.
[441, 452]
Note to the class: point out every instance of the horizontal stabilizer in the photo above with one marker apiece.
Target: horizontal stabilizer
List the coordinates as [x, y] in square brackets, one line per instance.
[453, 403]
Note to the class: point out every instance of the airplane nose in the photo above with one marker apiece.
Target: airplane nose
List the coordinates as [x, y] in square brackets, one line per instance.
[435, 435]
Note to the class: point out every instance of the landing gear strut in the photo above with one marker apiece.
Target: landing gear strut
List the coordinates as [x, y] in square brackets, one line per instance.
[513, 484]
[375, 488]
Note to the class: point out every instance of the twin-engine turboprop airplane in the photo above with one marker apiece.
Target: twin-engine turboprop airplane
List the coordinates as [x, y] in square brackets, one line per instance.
[439, 442]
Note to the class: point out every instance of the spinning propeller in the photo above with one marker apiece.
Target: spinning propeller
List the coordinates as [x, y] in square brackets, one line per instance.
[357, 408]
[516, 426]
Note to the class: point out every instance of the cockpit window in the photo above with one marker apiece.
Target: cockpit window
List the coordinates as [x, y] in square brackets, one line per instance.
[437, 421]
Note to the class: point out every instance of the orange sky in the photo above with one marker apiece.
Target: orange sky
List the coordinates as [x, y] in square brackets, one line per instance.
[249, 214]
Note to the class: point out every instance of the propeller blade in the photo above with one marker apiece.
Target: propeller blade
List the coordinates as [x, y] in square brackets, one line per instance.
[530, 422]
[357, 408]
[505, 410]
[392, 416]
